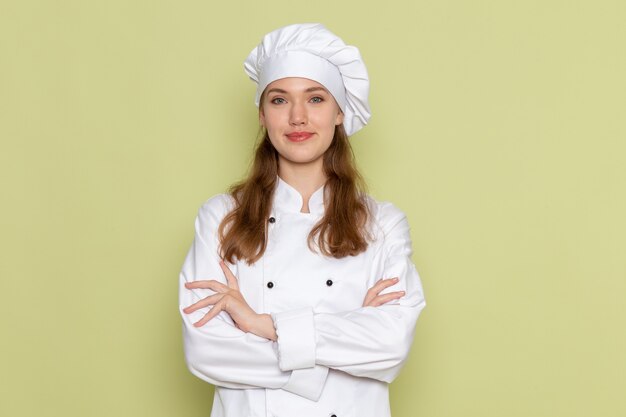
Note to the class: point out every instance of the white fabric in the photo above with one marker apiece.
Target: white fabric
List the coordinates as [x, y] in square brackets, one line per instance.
[296, 331]
[305, 65]
[357, 350]
[311, 51]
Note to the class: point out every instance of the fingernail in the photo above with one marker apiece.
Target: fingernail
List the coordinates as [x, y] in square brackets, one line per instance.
[396, 279]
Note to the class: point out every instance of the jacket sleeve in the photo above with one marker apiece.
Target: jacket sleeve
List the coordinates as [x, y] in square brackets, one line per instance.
[219, 352]
[371, 342]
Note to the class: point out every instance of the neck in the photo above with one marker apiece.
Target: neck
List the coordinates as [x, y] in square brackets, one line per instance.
[306, 178]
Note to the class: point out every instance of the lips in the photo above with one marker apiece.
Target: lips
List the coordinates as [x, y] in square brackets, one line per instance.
[298, 136]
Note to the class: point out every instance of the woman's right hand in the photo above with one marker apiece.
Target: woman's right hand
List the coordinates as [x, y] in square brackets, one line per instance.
[373, 297]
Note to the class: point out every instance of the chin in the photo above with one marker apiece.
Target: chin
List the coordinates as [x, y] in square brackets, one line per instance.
[301, 159]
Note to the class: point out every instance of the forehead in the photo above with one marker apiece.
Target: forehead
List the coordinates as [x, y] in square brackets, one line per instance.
[295, 85]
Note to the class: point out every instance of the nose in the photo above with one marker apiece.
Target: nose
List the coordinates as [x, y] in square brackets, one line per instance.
[297, 114]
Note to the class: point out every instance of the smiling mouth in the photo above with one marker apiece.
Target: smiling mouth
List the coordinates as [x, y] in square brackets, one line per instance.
[299, 136]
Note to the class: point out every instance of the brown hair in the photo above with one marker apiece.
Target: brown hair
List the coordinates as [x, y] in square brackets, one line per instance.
[341, 232]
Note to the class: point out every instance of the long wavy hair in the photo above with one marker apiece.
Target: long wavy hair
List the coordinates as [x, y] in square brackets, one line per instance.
[342, 231]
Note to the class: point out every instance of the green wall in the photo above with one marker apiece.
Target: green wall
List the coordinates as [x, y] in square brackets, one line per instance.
[498, 127]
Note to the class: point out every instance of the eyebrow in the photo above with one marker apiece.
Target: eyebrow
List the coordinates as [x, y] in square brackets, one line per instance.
[308, 90]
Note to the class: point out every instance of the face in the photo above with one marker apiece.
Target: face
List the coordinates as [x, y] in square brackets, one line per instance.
[300, 116]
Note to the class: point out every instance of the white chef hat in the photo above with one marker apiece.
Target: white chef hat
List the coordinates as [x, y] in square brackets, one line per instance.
[311, 51]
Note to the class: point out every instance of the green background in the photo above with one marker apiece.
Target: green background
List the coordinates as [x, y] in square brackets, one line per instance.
[498, 127]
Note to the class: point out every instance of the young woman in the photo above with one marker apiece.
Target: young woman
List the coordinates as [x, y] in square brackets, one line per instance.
[298, 295]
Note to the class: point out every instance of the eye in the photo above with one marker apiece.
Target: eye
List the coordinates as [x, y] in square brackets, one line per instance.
[317, 99]
[278, 100]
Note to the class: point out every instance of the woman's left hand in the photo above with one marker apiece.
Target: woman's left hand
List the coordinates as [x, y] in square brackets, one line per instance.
[227, 298]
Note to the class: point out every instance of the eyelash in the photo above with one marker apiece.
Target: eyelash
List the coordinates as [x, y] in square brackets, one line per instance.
[275, 100]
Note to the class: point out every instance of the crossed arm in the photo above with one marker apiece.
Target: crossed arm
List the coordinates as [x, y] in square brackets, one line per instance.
[229, 299]
[231, 345]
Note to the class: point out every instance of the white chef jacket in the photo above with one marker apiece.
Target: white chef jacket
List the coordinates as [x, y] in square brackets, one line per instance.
[333, 357]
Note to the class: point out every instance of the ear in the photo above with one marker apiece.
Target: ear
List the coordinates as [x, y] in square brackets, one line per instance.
[339, 118]
[261, 117]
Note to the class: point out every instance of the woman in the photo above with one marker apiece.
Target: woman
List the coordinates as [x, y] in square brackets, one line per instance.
[298, 295]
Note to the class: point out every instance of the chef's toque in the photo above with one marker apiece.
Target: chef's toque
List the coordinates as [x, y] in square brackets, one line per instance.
[311, 51]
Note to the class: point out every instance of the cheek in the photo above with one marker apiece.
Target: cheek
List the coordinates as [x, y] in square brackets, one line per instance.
[275, 121]
[324, 119]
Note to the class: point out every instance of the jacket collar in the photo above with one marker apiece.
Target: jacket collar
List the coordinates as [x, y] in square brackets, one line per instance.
[287, 199]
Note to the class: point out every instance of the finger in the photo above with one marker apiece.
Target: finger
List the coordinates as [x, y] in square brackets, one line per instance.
[215, 310]
[210, 300]
[385, 298]
[377, 284]
[210, 284]
[230, 277]
[388, 283]
[384, 283]
[374, 290]
[368, 299]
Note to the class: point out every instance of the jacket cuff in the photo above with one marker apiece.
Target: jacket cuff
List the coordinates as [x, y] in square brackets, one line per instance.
[296, 338]
[307, 383]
